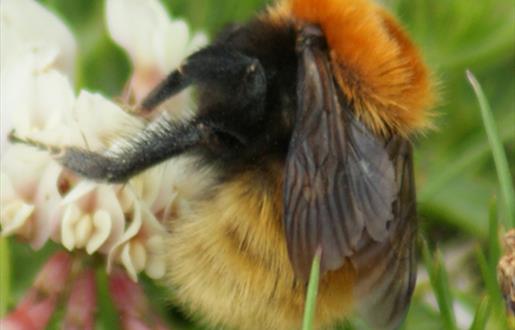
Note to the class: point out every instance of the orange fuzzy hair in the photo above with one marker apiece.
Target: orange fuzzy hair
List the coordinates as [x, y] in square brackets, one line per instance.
[375, 63]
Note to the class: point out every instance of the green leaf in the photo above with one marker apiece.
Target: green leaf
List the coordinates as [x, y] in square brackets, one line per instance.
[311, 296]
[5, 276]
[501, 162]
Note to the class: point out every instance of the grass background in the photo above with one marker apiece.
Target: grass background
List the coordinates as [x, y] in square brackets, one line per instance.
[456, 176]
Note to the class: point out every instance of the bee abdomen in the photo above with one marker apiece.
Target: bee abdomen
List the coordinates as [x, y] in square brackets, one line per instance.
[227, 261]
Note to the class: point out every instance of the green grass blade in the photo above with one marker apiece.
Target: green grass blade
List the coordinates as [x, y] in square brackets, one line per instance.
[5, 276]
[440, 284]
[492, 287]
[481, 315]
[501, 162]
[488, 267]
[107, 314]
[311, 296]
[494, 245]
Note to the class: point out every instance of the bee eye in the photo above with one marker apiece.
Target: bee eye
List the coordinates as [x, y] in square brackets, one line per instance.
[230, 140]
[254, 79]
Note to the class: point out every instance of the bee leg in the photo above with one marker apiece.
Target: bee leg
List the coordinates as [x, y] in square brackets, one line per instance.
[51, 149]
[158, 142]
[231, 76]
[127, 158]
[174, 83]
[237, 86]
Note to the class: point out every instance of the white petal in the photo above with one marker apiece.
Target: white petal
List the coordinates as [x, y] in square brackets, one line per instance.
[156, 267]
[127, 262]
[14, 216]
[147, 184]
[83, 231]
[7, 192]
[106, 200]
[80, 190]
[26, 26]
[133, 25]
[156, 244]
[53, 99]
[198, 41]
[170, 207]
[15, 81]
[167, 193]
[47, 214]
[102, 222]
[137, 221]
[35, 101]
[130, 232]
[24, 166]
[70, 218]
[173, 45]
[151, 224]
[179, 185]
[174, 172]
[138, 255]
[35, 181]
[101, 121]
[49, 103]
[126, 199]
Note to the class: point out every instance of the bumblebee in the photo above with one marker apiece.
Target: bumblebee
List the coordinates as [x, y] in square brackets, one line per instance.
[301, 143]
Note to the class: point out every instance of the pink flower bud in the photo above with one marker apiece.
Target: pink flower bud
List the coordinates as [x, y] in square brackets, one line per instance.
[132, 304]
[37, 306]
[52, 277]
[81, 306]
[33, 313]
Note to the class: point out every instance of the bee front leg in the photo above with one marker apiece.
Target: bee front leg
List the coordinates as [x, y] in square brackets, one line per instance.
[128, 157]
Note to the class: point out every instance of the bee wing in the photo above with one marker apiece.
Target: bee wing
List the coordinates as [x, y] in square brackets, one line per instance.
[340, 181]
[386, 271]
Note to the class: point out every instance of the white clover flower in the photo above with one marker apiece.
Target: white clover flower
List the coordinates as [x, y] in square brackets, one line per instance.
[39, 199]
[88, 121]
[32, 40]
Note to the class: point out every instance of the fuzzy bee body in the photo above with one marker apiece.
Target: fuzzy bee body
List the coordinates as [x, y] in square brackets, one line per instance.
[228, 263]
[300, 143]
[231, 249]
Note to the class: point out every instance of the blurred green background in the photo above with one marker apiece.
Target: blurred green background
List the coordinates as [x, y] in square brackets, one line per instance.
[456, 175]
